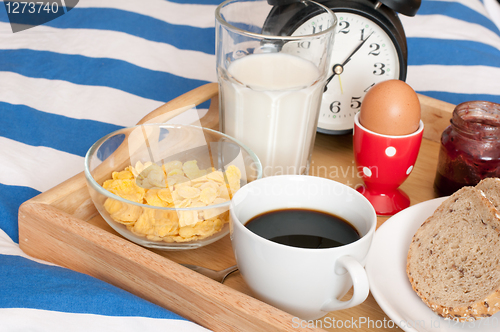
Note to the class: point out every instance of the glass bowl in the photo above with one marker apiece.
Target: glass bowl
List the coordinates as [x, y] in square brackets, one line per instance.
[168, 186]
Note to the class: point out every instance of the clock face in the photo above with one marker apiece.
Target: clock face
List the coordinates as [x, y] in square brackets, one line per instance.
[375, 61]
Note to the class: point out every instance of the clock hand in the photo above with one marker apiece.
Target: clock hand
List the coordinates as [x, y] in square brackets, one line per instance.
[339, 68]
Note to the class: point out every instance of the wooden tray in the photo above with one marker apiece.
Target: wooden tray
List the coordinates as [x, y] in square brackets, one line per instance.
[63, 226]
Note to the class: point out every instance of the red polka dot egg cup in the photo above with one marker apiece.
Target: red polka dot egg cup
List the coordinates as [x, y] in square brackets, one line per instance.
[385, 162]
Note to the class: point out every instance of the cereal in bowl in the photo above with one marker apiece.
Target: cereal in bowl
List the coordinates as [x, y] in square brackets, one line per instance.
[184, 187]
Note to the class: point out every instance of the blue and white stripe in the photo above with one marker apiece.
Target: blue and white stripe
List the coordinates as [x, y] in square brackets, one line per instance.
[107, 63]
[453, 51]
[100, 67]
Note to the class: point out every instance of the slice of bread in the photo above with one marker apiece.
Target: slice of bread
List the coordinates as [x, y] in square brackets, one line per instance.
[491, 188]
[453, 261]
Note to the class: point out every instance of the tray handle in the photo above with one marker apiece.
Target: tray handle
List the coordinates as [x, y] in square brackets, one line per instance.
[187, 101]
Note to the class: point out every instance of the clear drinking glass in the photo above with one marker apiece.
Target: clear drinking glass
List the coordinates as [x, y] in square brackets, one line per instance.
[272, 63]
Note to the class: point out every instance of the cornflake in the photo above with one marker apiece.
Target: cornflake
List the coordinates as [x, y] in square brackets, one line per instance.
[191, 192]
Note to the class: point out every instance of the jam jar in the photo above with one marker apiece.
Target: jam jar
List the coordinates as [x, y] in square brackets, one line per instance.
[470, 147]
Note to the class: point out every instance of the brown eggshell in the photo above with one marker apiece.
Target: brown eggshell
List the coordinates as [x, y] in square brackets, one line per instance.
[391, 108]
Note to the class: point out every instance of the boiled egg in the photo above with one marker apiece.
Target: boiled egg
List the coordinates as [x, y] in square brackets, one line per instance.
[391, 108]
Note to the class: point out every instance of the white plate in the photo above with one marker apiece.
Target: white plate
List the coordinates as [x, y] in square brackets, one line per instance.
[389, 285]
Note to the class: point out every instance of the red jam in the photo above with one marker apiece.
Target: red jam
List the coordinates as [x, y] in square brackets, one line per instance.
[470, 147]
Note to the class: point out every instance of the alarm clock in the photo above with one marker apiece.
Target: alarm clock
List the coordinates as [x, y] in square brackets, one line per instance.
[369, 47]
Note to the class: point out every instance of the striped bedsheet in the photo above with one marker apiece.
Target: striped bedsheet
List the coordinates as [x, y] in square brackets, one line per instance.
[107, 63]
[454, 51]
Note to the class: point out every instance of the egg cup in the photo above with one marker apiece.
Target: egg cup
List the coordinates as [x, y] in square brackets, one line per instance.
[385, 162]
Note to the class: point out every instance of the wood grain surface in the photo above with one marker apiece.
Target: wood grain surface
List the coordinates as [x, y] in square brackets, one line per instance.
[63, 226]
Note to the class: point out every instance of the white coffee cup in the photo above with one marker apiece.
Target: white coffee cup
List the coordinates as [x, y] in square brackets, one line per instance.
[307, 283]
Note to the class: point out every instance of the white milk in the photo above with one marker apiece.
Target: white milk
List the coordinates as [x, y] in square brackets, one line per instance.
[271, 103]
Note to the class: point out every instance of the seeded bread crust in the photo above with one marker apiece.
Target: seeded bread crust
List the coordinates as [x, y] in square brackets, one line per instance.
[453, 260]
[491, 188]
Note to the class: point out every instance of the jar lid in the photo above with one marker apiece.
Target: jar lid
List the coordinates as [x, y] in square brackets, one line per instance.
[478, 118]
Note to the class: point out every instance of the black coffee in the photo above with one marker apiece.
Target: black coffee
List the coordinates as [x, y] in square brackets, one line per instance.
[303, 228]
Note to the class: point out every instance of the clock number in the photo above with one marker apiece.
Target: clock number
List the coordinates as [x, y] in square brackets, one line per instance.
[355, 103]
[362, 34]
[319, 27]
[344, 27]
[375, 50]
[379, 69]
[304, 44]
[335, 107]
[238, 54]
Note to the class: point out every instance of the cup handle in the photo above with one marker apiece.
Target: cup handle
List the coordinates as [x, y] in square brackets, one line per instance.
[359, 282]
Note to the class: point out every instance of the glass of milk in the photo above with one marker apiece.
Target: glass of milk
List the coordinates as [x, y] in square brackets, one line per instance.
[272, 63]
